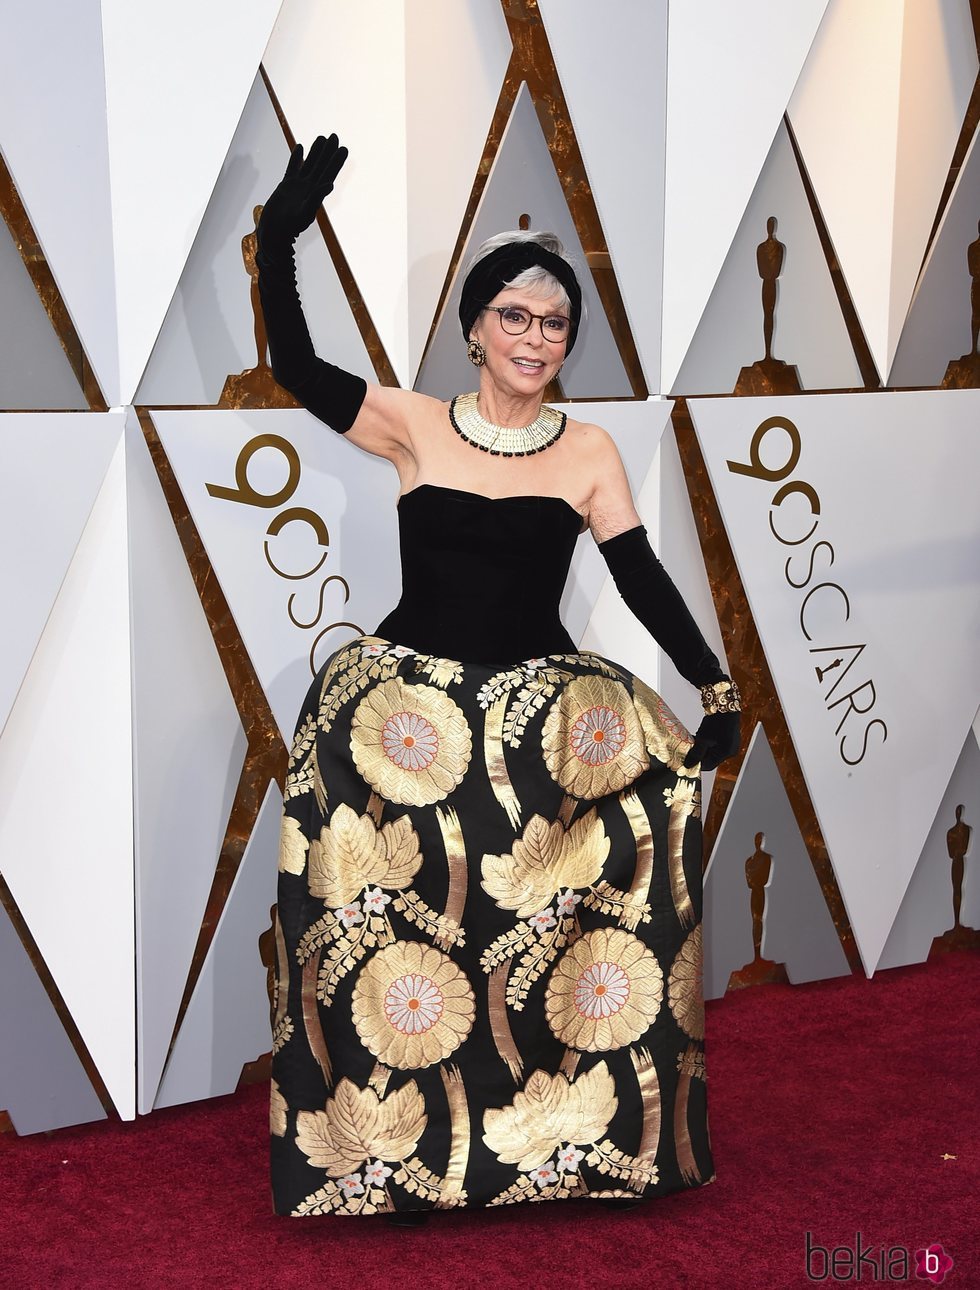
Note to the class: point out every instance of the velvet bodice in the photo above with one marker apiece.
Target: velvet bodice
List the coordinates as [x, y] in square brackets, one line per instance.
[482, 577]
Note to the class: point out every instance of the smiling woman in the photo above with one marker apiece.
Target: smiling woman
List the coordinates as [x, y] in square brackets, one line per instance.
[487, 990]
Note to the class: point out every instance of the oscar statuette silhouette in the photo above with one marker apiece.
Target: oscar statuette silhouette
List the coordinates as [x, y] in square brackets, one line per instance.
[769, 375]
[760, 970]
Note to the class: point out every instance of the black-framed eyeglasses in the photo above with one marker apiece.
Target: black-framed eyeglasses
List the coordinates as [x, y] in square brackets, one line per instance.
[516, 320]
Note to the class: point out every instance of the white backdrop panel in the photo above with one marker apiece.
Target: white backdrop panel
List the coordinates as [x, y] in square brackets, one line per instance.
[34, 368]
[877, 112]
[331, 525]
[874, 652]
[341, 67]
[523, 181]
[227, 1020]
[938, 325]
[54, 143]
[627, 180]
[810, 331]
[208, 332]
[42, 1083]
[927, 909]
[797, 929]
[66, 835]
[730, 72]
[177, 76]
[456, 54]
[52, 465]
[188, 749]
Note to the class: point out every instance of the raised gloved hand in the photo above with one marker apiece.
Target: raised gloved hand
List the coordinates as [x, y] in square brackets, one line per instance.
[293, 204]
[717, 737]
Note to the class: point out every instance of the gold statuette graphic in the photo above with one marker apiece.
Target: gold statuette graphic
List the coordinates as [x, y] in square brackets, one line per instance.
[769, 375]
[957, 937]
[964, 373]
[256, 387]
[758, 868]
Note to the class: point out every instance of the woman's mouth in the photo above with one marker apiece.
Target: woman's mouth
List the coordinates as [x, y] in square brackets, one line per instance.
[533, 365]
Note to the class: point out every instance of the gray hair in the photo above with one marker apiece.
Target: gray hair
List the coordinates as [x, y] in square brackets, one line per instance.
[535, 281]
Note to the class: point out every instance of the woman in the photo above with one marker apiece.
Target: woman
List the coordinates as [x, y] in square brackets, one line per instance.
[489, 982]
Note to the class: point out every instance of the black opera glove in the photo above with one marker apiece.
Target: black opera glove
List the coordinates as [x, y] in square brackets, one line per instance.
[330, 393]
[717, 738]
[650, 594]
[298, 196]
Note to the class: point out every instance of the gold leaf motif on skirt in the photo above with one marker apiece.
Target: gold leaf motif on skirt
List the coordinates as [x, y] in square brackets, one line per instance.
[685, 992]
[548, 1111]
[666, 738]
[356, 1124]
[546, 859]
[277, 1111]
[352, 853]
[293, 846]
[592, 740]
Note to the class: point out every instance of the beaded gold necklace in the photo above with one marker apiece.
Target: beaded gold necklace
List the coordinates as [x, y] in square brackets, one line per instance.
[505, 441]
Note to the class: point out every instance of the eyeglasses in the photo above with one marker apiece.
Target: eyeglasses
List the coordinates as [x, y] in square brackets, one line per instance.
[516, 320]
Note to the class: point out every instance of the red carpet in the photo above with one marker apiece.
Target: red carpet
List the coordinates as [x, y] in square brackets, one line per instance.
[832, 1106]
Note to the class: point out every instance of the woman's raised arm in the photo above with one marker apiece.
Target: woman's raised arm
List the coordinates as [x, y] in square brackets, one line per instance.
[375, 419]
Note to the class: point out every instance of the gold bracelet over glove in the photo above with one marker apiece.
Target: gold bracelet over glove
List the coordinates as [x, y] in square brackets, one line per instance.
[723, 696]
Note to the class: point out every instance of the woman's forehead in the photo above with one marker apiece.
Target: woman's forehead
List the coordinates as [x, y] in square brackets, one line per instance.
[535, 304]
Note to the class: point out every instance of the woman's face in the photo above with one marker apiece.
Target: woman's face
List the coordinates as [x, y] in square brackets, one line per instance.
[520, 366]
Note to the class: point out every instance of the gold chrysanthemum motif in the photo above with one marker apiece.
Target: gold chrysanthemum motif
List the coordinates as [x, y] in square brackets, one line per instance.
[356, 1125]
[410, 742]
[605, 991]
[549, 1111]
[667, 739]
[684, 988]
[293, 845]
[592, 741]
[412, 1005]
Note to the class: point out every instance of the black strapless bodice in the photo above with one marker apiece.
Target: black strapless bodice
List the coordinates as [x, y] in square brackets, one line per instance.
[482, 577]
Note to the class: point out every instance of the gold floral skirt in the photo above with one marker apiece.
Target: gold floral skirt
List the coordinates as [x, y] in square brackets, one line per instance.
[488, 983]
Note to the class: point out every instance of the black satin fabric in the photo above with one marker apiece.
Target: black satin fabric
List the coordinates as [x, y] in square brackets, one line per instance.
[482, 577]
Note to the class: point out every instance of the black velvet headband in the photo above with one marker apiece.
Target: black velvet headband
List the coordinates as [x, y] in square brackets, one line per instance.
[490, 275]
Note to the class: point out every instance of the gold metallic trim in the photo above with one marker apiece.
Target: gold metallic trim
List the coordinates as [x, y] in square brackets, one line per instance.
[493, 753]
[57, 1001]
[15, 217]
[311, 1015]
[459, 1141]
[751, 671]
[676, 828]
[682, 1134]
[452, 839]
[646, 1077]
[500, 1022]
[639, 823]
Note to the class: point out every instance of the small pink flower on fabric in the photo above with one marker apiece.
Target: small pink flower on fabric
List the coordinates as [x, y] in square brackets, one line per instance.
[376, 1173]
[351, 1185]
[401, 651]
[350, 914]
[543, 921]
[545, 1174]
[568, 1158]
[566, 902]
[372, 651]
[375, 900]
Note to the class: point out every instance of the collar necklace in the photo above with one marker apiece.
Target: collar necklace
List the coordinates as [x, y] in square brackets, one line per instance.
[505, 441]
